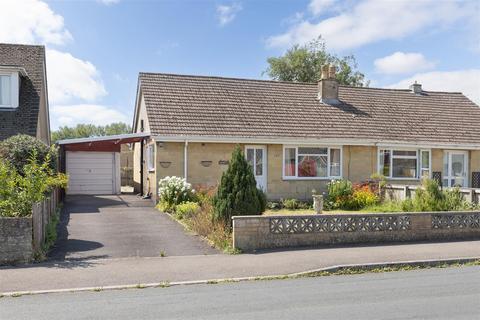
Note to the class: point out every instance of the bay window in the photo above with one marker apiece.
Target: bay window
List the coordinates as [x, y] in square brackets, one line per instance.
[311, 162]
[404, 164]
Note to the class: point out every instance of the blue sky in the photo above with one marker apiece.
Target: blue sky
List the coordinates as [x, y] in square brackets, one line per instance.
[95, 49]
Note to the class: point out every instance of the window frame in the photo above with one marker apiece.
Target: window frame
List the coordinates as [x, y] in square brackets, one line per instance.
[14, 90]
[417, 157]
[150, 158]
[296, 177]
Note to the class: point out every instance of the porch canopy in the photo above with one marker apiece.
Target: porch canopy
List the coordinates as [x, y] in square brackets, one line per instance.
[103, 143]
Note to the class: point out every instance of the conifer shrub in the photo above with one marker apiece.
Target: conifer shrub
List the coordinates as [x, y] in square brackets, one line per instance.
[238, 193]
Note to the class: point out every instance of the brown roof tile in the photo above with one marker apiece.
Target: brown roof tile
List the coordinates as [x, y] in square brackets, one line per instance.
[226, 107]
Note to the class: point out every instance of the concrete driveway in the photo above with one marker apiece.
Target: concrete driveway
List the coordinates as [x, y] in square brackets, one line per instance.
[98, 227]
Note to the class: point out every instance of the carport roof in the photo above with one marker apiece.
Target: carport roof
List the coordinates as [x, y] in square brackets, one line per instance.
[117, 139]
[101, 144]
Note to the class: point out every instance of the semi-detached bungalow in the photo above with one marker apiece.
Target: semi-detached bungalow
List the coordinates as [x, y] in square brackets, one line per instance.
[299, 136]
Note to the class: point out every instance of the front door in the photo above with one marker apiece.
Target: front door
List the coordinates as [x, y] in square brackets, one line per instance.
[257, 158]
[455, 168]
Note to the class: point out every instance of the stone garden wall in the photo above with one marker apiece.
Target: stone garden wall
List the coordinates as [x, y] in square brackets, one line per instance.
[21, 238]
[267, 232]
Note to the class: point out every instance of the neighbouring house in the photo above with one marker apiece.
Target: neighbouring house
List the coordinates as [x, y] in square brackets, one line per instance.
[299, 136]
[23, 92]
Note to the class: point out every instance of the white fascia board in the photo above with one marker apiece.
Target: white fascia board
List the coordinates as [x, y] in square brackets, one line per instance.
[9, 69]
[312, 141]
[105, 138]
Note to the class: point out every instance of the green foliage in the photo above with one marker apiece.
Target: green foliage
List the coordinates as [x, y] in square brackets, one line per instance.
[303, 64]
[20, 191]
[386, 206]
[238, 193]
[430, 197]
[172, 191]
[186, 209]
[291, 204]
[51, 232]
[90, 130]
[343, 195]
[18, 150]
[362, 197]
[339, 192]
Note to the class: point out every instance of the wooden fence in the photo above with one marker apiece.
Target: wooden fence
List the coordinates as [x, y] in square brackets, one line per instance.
[42, 213]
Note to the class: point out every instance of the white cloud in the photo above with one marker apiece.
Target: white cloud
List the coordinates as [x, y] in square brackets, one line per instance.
[108, 2]
[319, 6]
[402, 63]
[226, 13]
[373, 20]
[71, 78]
[71, 115]
[31, 21]
[465, 81]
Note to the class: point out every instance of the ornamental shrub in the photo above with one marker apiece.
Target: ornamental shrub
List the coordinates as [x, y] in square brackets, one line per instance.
[186, 209]
[238, 193]
[18, 150]
[339, 194]
[362, 197]
[172, 191]
[20, 191]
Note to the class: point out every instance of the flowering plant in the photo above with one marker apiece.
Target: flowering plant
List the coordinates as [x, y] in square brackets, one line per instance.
[173, 191]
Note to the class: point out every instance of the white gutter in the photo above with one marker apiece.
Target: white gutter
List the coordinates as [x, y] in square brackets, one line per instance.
[311, 141]
[185, 160]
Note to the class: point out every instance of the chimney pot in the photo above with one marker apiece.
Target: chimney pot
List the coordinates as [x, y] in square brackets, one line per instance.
[331, 71]
[328, 85]
[416, 88]
[324, 74]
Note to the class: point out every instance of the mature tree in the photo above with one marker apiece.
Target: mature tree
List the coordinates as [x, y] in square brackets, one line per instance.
[238, 193]
[304, 63]
[90, 130]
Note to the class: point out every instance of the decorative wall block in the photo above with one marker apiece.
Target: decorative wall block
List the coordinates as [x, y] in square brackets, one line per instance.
[223, 162]
[457, 221]
[294, 225]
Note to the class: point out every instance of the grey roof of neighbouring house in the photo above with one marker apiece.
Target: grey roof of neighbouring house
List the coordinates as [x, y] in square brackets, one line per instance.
[181, 105]
[24, 119]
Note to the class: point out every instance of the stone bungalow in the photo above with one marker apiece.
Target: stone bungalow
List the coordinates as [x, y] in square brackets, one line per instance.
[299, 136]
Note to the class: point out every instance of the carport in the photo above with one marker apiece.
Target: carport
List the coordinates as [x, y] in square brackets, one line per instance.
[93, 164]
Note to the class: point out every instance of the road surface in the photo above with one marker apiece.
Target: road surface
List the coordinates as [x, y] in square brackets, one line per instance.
[451, 293]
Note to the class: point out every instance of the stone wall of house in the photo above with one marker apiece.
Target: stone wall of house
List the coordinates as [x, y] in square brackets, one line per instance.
[268, 232]
[16, 236]
[207, 162]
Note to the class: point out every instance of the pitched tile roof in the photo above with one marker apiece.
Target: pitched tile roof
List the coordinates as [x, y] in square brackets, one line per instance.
[224, 107]
[24, 119]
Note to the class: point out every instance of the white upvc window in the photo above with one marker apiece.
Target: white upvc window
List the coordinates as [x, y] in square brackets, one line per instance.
[402, 163]
[9, 89]
[312, 162]
[151, 157]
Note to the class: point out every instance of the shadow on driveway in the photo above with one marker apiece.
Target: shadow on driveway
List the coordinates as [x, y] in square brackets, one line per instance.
[93, 227]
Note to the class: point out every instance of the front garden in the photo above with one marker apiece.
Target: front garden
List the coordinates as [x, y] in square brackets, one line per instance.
[208, 211]
[28, 176]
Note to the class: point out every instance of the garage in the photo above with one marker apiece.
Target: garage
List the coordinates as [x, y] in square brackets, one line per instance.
[93, 172]
[93, 164]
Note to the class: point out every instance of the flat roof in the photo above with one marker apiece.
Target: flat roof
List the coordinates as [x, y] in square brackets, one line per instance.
[120, 137]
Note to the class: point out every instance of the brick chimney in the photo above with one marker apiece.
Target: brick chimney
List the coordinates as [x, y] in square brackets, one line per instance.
[328, 85]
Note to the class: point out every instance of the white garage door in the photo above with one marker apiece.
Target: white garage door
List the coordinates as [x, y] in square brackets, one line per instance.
[93, 172]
